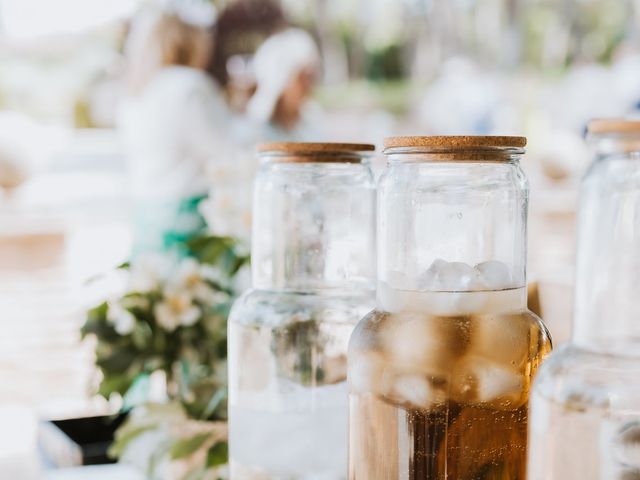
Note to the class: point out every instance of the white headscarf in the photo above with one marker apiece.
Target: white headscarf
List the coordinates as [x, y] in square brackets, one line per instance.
[276, 62]
[198, 13]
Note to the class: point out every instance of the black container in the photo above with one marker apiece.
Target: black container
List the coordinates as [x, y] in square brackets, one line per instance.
[78, 441]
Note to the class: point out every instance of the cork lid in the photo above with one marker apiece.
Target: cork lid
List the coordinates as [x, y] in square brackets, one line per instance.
[316, 152]
[456, 148]
[613, 126]
[457, 142]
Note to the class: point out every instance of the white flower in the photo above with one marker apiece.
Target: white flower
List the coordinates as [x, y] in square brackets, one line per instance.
[176, 309]
[148, 271]
[192, 277]
[205, 294]
[211, 273]
[227, 211]
[189, 272]
[122, 319]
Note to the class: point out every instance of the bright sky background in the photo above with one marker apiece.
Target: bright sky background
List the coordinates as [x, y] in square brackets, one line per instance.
[28, 19]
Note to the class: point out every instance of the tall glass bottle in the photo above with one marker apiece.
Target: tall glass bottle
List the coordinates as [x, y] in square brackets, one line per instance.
[585, 406]
[439, 373]
[313, 279]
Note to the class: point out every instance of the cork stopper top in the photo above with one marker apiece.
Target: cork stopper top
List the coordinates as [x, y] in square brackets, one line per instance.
[613, 126]
[461, 142]
[307, 152]
[456, 148]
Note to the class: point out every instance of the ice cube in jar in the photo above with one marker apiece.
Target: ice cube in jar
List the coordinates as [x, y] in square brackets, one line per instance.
[415, 390]
[494, 275]
[457, 277]
[461, 277]
[478, 380]
[425, 343]
[503, 338]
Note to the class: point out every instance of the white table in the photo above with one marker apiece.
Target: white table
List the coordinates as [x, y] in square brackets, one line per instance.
[98, 472]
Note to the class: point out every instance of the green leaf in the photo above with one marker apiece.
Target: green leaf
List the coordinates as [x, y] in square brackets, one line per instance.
[119, 360]
[218, 455]
[114, 384]
[96, 317]
[214, 402]
[225, 252]
[124, 436]
[99, 312]
[141, 335]
[156, 458]
[186, 447]
[207, 249]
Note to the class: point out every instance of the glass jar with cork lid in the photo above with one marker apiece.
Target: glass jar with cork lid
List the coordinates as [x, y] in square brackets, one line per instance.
[439, 373]
[313, 251]
[587, 394]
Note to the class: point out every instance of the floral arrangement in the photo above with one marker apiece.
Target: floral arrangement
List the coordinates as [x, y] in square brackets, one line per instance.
[170, 323]
[166, 444]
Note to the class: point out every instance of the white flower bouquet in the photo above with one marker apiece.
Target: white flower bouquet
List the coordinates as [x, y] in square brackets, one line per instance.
[171, 323]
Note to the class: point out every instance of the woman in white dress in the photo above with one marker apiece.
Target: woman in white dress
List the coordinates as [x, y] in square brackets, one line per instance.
[173, 126]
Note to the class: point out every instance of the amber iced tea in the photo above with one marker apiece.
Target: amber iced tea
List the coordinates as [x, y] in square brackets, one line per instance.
[439, 374]
[444, 396]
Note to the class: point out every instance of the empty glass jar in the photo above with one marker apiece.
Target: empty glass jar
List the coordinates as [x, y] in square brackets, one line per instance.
[313, 279]
[585, 409]
[439, 372]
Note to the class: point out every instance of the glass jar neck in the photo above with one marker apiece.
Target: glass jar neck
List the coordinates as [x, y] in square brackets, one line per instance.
[313, 226]
[487, 156]
[452, 221]
[608, 258]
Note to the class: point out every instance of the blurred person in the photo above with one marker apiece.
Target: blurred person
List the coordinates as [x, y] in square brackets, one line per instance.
[241, 26]
[173, 123]
[286, 68]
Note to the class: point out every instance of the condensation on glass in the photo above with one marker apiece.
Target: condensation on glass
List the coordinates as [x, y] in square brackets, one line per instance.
[313, 263]
[585, 409]
[439, 372]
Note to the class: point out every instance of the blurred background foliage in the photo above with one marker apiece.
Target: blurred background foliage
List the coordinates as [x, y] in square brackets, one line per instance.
[385, 42]
[540, 68]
